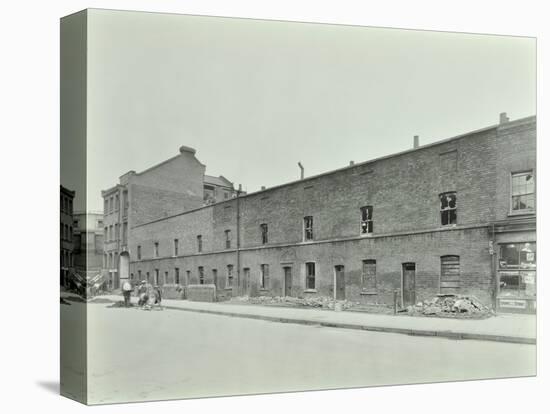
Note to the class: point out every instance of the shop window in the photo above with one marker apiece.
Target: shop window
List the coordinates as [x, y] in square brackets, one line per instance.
[308, 228]
[523, 192]
[517, 269]
[366, 220]
[310, 275]
[264, 276]
[450, 274]
[368, 276]
[448, 208]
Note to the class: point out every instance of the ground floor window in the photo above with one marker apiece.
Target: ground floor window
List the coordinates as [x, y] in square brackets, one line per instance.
[229, 275]
[450, 274]
[517, 269]
[310, 275]
[368, 276]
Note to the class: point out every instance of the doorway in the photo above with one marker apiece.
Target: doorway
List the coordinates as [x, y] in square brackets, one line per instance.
[246, 280]
[340, 277]
[288, 281]
[408, 284]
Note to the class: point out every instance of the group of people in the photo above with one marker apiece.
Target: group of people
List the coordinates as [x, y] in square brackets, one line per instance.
[148, 295]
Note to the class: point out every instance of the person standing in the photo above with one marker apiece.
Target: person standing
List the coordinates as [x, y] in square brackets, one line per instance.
[126, 292]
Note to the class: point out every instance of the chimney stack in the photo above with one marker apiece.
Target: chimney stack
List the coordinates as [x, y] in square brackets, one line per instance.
[263, 187]
[503, 118]
[240, 188]
[301, 170]
[415, 142]
[351, 162]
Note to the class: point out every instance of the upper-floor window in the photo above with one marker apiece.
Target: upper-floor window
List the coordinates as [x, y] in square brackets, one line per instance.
[264, 276]
[106, 205]
[263, 229]
[176, 243]
[117, 202]
[310, 275]
[366, 220]
[139, 252]
[156, 251]
[523, 192]
[228, 239]
[199, 243]
[448, 208]
[308, 228]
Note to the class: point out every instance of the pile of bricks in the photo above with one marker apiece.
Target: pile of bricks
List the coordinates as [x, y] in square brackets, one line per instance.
[451, 305]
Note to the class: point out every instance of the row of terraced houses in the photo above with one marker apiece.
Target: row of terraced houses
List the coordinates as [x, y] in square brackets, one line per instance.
[454, 216]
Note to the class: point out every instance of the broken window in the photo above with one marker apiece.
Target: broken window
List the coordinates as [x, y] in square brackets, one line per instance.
[264, 270]
[308, 228]
[366, 220]
[263, 228]
[523, 191]
[368, 277]
[448, 208]
[199, 243]
[228, 239]
[229, 275]
[310, 275]
[201, 275]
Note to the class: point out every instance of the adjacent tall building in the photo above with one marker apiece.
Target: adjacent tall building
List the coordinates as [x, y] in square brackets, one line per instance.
[455, 216]
[66, 234]
[88, 245]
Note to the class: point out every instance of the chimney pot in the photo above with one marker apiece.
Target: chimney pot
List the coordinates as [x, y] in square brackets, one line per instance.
[415, 142]
[503, 118]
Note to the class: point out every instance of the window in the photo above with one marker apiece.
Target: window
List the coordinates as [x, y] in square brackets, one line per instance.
[175, 247]
[188, 273]
[228, 239]
[156, 277]
[99, 223]
[156, 252]
[310, 275]
[450, 274]
[263, 229]
[517, 270]
[366, 220]
[165, 278]
[229, 275]
[105, 206]
[106, 233]
[199, 243]
[308, 228]
[148, 278]
[177, 276]
[125, 232]
[523, 192]
[264, 273]
[518, 256]
[117, 234]
[201, 275]
[448, 208]
[215, 277]
[368, 276]
[139, 275]
[139, 252]
[131, 276]
[70, 233]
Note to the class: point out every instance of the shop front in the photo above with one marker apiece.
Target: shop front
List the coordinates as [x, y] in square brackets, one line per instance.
[516, 277]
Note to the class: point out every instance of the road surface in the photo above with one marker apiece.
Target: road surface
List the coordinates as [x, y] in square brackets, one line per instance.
[137, 355]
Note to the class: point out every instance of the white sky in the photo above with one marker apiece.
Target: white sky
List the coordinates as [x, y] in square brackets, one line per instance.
[255, 97]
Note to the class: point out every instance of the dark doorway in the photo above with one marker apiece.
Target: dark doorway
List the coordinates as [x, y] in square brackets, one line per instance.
[408, 283]
[246, 280]
[340, 282]
[288, 280]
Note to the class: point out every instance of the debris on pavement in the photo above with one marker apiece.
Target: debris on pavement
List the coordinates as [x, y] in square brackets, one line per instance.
[450, 305]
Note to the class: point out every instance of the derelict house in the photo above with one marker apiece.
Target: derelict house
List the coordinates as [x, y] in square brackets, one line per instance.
[455, 216]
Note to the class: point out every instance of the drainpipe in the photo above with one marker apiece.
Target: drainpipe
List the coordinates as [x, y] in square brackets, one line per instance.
[238, 252]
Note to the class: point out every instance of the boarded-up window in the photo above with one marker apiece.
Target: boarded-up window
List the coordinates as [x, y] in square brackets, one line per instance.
[368, 280]
[450, 274]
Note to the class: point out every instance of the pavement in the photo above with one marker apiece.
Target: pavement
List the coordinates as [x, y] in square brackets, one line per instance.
[511, 328]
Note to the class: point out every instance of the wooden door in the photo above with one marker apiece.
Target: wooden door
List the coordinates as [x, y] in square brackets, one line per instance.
[288, 281]
[340, 282]
[409, 280]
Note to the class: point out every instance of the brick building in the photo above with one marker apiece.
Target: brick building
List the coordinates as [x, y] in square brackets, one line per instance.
[88, 244]
[66, 234]
[457, 215]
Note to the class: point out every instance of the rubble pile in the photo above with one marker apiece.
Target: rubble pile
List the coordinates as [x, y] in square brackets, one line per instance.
[451, 305]
[313, 302]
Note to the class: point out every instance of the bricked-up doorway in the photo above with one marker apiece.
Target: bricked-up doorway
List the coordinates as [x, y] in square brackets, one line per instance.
[288, 281]
[408, 284]
[340, 281]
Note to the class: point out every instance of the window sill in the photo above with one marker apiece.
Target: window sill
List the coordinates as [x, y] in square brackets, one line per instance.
[365, 234]
[369, 292]
[228, 288]
[310, 291]
[264, 289]
[521, 213]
